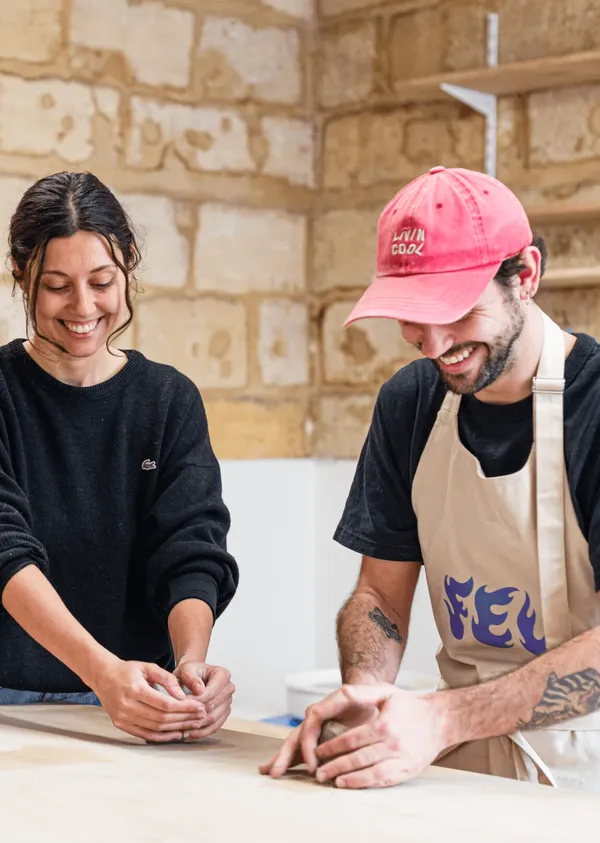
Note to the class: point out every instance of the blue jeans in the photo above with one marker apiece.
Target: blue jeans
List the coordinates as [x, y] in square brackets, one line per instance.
[11, 697]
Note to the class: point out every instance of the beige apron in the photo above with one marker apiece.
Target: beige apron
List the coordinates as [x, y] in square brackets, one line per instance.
[509, 577]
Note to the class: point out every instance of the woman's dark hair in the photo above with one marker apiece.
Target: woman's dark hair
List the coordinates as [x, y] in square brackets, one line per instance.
[59, 206]
[511, 267]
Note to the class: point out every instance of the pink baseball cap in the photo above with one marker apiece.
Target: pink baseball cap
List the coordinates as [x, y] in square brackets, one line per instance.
[440, 241]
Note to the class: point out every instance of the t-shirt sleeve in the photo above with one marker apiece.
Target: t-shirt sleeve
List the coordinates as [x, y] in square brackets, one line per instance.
[582, 452]
[187, 526]
[378, 519]
[593, 504]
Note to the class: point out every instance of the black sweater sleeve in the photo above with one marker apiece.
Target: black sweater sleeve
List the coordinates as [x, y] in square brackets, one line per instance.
[186, 553]
[18, 545]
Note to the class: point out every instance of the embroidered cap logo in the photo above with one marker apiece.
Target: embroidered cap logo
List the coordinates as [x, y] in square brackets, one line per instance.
[409, 241]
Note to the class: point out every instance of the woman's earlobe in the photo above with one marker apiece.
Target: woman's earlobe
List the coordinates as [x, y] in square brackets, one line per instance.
[16, 273]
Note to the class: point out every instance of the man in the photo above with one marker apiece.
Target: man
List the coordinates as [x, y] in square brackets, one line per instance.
[450, 477]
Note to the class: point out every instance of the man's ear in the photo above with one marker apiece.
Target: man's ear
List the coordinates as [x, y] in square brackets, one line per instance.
[529, 276]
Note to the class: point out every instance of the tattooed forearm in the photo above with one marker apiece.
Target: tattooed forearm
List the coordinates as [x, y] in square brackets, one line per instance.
[390, 630]
[360, 647]
[566, 697]
[554, 688]
[365, 653]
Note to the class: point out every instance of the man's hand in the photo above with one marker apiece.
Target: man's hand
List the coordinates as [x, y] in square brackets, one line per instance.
[300, 746]
[125, 690]
[212, 687]
[398, 743]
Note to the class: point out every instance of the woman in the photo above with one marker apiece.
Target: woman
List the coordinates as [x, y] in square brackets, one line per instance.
[113, 561]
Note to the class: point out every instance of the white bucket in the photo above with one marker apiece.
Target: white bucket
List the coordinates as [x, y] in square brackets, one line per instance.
[304, 689]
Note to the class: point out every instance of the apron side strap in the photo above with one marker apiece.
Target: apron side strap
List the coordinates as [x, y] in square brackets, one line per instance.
[532, 760]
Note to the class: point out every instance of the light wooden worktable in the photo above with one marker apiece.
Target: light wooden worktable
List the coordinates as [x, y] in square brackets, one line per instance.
[68, 776]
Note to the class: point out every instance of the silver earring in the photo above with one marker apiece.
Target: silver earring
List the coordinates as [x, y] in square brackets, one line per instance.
[528, 298]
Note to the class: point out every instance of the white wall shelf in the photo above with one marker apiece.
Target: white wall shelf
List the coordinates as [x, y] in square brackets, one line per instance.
[504, 79]
[563, 212]
[569, 277]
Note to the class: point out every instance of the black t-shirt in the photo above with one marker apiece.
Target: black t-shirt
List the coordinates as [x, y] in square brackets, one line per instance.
[114, 492]
[379, 519]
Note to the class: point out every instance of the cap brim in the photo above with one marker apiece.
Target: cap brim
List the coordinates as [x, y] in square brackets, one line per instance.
[437, 298]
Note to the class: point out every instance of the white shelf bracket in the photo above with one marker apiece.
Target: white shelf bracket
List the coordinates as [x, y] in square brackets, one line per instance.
[483, 103]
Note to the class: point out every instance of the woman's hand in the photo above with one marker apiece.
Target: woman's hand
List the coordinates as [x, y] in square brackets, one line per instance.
[213, 688]
[125, 690]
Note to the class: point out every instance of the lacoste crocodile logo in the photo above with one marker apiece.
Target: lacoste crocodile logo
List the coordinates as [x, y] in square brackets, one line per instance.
[148, 465]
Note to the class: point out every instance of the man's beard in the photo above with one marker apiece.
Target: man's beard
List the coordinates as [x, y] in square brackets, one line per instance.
[500, 357]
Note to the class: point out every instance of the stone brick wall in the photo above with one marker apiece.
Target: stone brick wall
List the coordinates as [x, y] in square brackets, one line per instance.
[549, 148]
[199, 114]
[254, 143]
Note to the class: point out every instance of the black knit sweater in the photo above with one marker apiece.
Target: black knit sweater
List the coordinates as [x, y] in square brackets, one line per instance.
[114, 492]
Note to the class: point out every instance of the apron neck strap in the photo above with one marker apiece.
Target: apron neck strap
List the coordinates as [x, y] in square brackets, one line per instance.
[551, 368]
[548, 389]
[451, 402]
